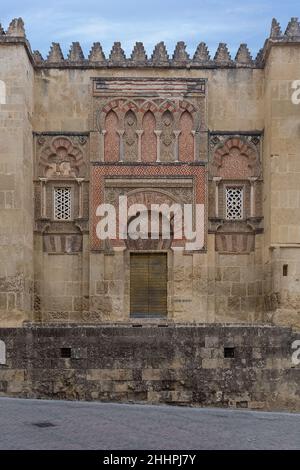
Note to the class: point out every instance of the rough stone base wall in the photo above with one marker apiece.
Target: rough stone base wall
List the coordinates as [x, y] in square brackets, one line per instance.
[176, 365]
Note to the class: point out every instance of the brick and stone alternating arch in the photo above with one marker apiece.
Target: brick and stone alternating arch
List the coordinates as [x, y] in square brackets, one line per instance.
[235, 159]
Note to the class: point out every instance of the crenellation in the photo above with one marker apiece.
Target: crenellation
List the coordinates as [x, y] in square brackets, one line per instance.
[138, 55]
[180, 55]
[38, 58]
[222, 54]
[96, 54]
[201, 55]
[75, 53]
[117, 55]
[275, 29]
[243, 55]
[160, 55]
[55, 54]
[293, 28]
[16, 28]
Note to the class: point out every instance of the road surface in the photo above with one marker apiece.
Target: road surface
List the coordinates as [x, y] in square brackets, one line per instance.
[42, 424]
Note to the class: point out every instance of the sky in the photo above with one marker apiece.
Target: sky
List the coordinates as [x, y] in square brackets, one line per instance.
[128, 21]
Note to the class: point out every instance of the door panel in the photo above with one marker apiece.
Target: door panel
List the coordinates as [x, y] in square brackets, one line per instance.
[148, 284]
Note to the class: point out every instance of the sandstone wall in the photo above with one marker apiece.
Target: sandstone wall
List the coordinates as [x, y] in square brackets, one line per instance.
[16, 191]
[282, 185]
[176, 365]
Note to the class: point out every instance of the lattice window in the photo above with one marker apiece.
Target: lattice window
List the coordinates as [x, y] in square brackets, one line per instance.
[234, 203]
[62, 203]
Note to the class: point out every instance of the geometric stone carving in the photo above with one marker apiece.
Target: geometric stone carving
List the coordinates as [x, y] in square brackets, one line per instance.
[293, 28]
[130, 136]
[222, 55]
[160, 55]
[275, 29]
[259, 58]
[38, 58]
[180, 56]
[62, 203]
[16, 28]
[60, 157]
[117, 55]
[235, 157]
[139, 56]
[96, 53]
[55, 53]
[243, 55]
[202, 54]
[75, 53]
[234, 203]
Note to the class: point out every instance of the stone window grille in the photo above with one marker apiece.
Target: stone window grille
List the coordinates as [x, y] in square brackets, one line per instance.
[234, 203]
[62, 203]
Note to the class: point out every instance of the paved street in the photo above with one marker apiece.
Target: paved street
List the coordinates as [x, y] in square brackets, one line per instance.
[39, 424]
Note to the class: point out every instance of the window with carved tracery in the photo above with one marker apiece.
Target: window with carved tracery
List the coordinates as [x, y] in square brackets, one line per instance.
[234, 203]
[62, 203]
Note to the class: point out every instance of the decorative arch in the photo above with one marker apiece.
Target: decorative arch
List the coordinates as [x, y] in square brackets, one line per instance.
[149, 146]
[187, 106]
[62, 159]
[168, 105]
[147, 198]
[186, 138]
[235, 159]
[111, 142]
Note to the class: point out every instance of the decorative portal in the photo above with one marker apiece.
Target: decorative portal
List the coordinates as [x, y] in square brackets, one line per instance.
[62, 203]
[234, 203]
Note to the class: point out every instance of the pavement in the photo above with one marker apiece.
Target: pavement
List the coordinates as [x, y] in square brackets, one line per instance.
[64, 425]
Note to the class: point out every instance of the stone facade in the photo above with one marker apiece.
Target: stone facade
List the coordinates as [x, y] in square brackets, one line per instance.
[76, 132]
[238, 367]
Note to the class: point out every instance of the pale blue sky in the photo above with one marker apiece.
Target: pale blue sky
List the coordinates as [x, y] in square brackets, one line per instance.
[192, 21]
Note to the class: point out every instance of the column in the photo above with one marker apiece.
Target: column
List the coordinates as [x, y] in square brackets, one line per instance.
[80, 198]
[158, 134]
[176, 145]
[252, 196]
[217, 180]
[139, 134]
[121, 154]
[102, 133]
[43, 197]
